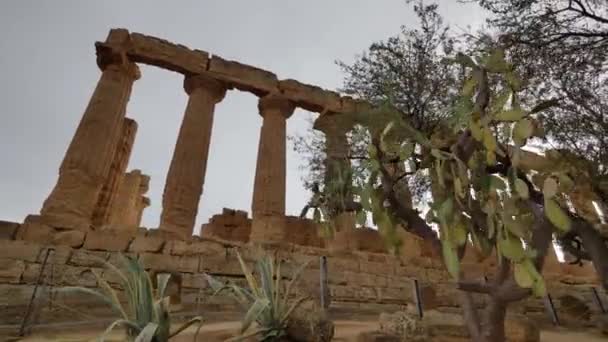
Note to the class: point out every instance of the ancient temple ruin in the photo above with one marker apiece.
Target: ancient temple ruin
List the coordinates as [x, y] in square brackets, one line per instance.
[96, 206]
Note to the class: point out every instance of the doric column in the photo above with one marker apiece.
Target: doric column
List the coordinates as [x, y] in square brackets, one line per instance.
[186, 176]
[268, 205]
[87, 161]
[118, 168]
[336, 144]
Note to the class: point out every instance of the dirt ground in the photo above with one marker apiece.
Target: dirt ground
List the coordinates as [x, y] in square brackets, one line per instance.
[346, 331]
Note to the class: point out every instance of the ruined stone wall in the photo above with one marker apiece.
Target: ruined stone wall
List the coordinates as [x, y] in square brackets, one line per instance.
[359, 282]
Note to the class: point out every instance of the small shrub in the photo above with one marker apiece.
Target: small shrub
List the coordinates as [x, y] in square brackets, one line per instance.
[145, 316]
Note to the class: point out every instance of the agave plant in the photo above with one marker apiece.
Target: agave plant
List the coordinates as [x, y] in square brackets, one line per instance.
[145, 315]
[267, 300]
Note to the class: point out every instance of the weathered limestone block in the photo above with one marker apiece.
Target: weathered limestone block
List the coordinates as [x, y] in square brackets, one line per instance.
[127, 207]
[387, 268]
[107, 241]
[243, 77]
[340, 292]
[8, 230]
[394, 295]
[11, 294]
[152, 244]
[186, 175]
[88, 158]
[19, 250]
[109, 191]
[170, 263]
[178, 247]
[71, 238]
[62, 275]
[11, 270]
[310, 97]
[195, 281]
[59, 255]
[342, 264]
[86, 258]
[167, 55]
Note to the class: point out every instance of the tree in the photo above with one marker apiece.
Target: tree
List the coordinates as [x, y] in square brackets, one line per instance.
[410, 68]
[562, 49]
[467, 145]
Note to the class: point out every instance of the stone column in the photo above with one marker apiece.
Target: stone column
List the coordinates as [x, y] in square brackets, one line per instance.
[268, 205]
[87, 161]
[336, 144]
[118, 168]
[335, 129]
[186, 176]
[129, 203]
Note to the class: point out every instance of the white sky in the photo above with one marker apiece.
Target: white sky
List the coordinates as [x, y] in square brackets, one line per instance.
[48, 72]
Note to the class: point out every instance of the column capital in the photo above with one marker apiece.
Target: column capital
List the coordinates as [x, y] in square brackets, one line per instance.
[111, 56]
[216, 88]
[276, 103]
[333, 124]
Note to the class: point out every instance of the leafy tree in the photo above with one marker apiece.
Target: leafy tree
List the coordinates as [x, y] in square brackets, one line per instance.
[482, 188]
[410, 68]
[562, 49]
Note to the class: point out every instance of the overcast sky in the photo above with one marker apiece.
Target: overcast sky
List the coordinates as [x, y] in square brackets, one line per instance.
[48, 72]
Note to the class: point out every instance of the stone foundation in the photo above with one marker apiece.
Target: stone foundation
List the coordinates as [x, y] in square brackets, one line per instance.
[359, 281]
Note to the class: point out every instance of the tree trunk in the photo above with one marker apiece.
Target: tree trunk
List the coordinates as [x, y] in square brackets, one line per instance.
[596, 248]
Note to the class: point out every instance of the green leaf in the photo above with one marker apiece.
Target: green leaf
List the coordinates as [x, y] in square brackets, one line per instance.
[516, 227]
[565, 183]
[489, 141]
[147, 333]
[499, 103]
[523, 278]
[511, 115]
[476, 130]
[522, 189]
[512, 249]
[468, 89]
[459, 234]
[373, 152]
[495, 62]
[451, 259]
[556, 215]
[513, 80]
[446, 209]
[549, 187]
[522, 130]
[538, 286]
[406, 150]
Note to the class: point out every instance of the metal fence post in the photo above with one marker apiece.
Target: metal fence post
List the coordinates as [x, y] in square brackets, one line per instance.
[323, 282]
[551, 309]
[598, 300]
[31, 302]
[418, 298]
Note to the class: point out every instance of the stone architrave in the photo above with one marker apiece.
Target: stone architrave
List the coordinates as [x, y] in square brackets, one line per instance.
[268, 205]
[108, 194]
[87, 161]
[186, 176]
